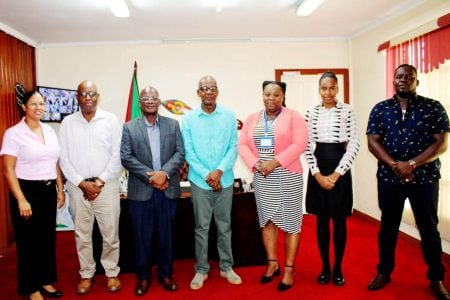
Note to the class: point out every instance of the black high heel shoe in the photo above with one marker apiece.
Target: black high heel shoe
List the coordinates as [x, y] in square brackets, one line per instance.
[284, 286]
[266, 279]
[54, 294]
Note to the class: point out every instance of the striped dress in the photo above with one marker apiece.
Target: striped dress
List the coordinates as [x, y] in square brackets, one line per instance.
[278, 196]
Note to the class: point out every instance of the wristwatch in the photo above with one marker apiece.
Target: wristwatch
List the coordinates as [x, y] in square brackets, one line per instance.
[412, 163]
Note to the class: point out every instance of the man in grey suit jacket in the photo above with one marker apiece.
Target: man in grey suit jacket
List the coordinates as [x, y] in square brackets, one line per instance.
[152, 151]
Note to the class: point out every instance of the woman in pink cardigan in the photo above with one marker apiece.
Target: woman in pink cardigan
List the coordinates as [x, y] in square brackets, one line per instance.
[271, 143]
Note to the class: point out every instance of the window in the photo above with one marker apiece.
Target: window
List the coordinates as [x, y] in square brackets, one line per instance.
[430, 54]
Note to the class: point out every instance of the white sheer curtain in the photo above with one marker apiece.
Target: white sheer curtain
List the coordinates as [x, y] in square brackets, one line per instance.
[436, 85]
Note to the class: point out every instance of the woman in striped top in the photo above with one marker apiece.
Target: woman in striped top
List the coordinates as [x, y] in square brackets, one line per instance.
[332, 147]
[271, 143]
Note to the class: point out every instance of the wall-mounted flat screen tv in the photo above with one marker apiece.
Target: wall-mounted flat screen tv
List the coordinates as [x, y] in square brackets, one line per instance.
[59, 103]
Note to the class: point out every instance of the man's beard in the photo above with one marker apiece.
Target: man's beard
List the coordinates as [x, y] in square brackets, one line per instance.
[406, 94]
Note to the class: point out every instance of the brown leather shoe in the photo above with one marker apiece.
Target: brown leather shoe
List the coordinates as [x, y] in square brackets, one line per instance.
[141, 287]
[378, 282]
[113, 284]
[85, 285]
[440, 290]
[168, 283]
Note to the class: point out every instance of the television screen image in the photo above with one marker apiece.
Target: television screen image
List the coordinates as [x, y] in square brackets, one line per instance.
[59, 103]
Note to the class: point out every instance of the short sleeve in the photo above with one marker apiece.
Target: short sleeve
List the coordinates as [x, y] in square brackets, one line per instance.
[373, 125]
[9, 145]
[440, 122]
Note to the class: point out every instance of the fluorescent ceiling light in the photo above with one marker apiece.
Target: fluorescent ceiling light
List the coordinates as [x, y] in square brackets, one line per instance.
[306, 7]
[119, 8]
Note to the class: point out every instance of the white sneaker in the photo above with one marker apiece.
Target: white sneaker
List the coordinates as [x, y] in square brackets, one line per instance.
[197, 281]
[231, 276]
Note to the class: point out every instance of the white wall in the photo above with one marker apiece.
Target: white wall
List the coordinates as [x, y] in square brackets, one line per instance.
[368, 86]
[240, 68]
[174, 69]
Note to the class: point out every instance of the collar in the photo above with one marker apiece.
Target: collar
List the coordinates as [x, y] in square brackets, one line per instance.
[217, 110]
[147, 123]
[24, 127]
[99, 114]
[22, 122]
[338, 105]
[410, 98]
[276, 116]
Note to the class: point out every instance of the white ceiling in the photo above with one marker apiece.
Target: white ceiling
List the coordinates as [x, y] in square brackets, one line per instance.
[52, 22]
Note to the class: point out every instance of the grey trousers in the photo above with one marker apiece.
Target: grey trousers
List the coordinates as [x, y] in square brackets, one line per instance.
[206, 203]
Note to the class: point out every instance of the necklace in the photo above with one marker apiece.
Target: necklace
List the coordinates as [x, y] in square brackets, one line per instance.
[403, 114]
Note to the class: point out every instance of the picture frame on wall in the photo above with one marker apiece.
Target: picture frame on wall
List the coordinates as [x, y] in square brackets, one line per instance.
[59, 103]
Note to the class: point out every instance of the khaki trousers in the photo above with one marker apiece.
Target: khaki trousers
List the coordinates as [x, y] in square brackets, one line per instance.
[106, 210]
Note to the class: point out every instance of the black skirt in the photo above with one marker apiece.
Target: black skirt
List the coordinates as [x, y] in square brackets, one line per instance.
[339, 200]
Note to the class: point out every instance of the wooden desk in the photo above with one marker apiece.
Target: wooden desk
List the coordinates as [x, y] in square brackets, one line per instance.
[247, 244]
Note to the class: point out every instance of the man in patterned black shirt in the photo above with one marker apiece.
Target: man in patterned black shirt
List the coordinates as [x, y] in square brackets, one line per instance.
[407, 133]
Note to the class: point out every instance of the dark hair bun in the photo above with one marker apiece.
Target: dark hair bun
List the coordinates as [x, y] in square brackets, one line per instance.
[281, 84]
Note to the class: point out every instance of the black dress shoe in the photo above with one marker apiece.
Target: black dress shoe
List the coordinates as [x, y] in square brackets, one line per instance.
[284, 287]
[440, 290]
[323, 278]
[338, 280]
[378, 282]
[168, 284]
[141, 287]
[267, 279]
[55, 294]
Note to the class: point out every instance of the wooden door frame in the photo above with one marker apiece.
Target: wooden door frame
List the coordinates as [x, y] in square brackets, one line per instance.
[343, 72]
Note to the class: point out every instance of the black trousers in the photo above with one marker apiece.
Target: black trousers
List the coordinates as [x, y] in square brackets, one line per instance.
[35, 237]
[424, 200]
[153, 223]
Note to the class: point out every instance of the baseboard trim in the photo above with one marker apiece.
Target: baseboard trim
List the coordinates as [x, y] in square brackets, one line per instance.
[407, 237]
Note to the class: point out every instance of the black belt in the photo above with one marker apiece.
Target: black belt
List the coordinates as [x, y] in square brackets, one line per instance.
[43, 182]
[92, 179]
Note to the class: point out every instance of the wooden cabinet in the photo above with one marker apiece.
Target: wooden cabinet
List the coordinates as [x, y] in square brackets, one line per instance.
[247, 244]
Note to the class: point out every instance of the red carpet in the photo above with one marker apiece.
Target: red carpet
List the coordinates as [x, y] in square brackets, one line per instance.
[408, 279]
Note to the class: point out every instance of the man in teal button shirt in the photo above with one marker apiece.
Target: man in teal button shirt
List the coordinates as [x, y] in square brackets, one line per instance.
[210, 141]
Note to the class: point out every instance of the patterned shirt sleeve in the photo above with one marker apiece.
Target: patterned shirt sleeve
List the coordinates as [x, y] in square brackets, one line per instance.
[374, 124]
[353, 144]
[441, 121]
[309, 152]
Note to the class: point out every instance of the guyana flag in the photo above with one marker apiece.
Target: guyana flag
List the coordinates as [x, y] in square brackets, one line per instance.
[133, 109]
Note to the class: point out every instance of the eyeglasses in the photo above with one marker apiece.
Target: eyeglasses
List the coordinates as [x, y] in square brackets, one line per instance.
[33, 104]
[85, 94]
[206, 89]
[149, 99]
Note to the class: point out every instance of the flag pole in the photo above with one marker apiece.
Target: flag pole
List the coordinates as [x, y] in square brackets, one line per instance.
[133, 109]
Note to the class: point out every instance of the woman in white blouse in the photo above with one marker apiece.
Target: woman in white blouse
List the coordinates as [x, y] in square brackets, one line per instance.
[333, 143]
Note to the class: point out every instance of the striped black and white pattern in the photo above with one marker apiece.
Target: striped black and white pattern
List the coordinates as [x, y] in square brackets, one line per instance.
[279, 196]
[335, 125]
